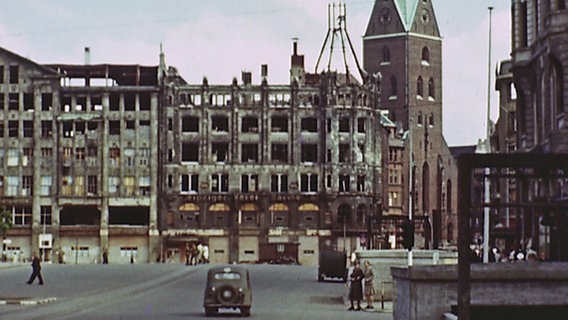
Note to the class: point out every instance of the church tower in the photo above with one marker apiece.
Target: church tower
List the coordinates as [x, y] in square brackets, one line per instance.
[403, 43]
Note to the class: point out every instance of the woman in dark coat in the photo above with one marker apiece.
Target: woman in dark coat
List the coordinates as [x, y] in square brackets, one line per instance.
[356, 288]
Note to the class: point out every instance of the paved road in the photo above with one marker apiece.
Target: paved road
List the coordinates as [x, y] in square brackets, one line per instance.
[162, 291]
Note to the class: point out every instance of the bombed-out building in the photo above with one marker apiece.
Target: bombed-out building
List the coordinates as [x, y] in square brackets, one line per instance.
[78, 150]
[264, 172]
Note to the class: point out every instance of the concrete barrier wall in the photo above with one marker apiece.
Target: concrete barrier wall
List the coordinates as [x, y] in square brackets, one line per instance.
[383, 260]
[428, 292]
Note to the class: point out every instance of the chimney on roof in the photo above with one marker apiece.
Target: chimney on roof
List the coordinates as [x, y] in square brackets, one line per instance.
[246, 76]
[87, 56]
[263, 72]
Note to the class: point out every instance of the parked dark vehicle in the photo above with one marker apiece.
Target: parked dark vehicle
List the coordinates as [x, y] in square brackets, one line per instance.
[332, 264]
[227, 288]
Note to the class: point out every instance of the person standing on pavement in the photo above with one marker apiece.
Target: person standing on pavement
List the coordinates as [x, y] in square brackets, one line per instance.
[369, 277]
[36, 269]
[356, 288]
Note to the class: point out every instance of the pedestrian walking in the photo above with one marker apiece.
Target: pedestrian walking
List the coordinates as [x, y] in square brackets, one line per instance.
[369, 278]
[36, 269]
[356, 287]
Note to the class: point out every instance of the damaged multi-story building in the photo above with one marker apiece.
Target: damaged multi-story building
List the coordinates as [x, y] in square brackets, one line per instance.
[263, 172]
[125, 163]
[79, 150]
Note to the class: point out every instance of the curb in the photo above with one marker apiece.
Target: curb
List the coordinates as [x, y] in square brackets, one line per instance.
[27, 301]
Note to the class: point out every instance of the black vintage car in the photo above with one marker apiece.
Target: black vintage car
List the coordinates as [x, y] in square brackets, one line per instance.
[332, 264]
[228, 287]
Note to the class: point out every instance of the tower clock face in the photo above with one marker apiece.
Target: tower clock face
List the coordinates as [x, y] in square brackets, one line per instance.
[385, 16]
[425, 16]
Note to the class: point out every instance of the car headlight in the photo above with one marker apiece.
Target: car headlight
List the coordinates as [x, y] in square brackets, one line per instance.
[213, 289]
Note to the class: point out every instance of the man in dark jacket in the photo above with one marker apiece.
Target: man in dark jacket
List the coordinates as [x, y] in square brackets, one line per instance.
[356, 288]
[36, 270]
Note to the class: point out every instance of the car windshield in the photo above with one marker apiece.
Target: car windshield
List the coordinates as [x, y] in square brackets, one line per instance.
[227, 276]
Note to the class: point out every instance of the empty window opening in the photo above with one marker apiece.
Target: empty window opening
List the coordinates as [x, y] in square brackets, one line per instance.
[129, 215]
[190, 152]
[46, 129]
[114, 101]
[249, 152]
[13, 101]
[114, 127]
[361, 183]
[129, 101]
[67, 129]
[80, 127]
[28, 101]
[130, 125]
[309, 153]
[80, 215]
[28, 129]
[81, 103]
[344, 125]
[279, 124]
[279, 152]
[97, 103]
[190, 124]
[220, 124]
[219, 151]
[361, 125]
[249, 124]
[145, 101]
[13, 128]
[309, 124]
[344, 183]
[46, 101]
[1, 73]
[344, 153]
[66, 103]
[14, 74]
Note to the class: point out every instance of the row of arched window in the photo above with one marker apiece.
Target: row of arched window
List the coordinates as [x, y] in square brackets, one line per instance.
[425, 57]
[419, 82]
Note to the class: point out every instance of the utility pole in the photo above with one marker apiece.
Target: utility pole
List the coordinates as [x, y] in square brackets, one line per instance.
[487, 150]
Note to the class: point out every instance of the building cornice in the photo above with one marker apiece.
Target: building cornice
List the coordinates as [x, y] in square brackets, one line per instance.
[401, 35]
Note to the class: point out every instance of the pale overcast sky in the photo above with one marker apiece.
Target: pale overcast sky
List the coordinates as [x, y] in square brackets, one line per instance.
[220, 38]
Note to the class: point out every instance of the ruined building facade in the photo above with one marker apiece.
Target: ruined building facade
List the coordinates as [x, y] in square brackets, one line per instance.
[264, 172]
[79, 150]
[132, 164]
[403, 43]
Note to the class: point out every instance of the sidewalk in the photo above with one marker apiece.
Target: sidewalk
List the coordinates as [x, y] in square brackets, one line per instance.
[5, 265]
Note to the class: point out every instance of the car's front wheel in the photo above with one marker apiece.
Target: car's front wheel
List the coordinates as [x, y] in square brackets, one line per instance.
[209, 312]
[245, 311]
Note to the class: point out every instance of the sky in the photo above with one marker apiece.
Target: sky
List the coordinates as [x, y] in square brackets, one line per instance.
[218, 39]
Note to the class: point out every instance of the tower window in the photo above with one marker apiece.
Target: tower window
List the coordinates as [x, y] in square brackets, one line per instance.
[419, 88]
[386, 55]
[393, 86]
[425, 56]
[431, 92]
